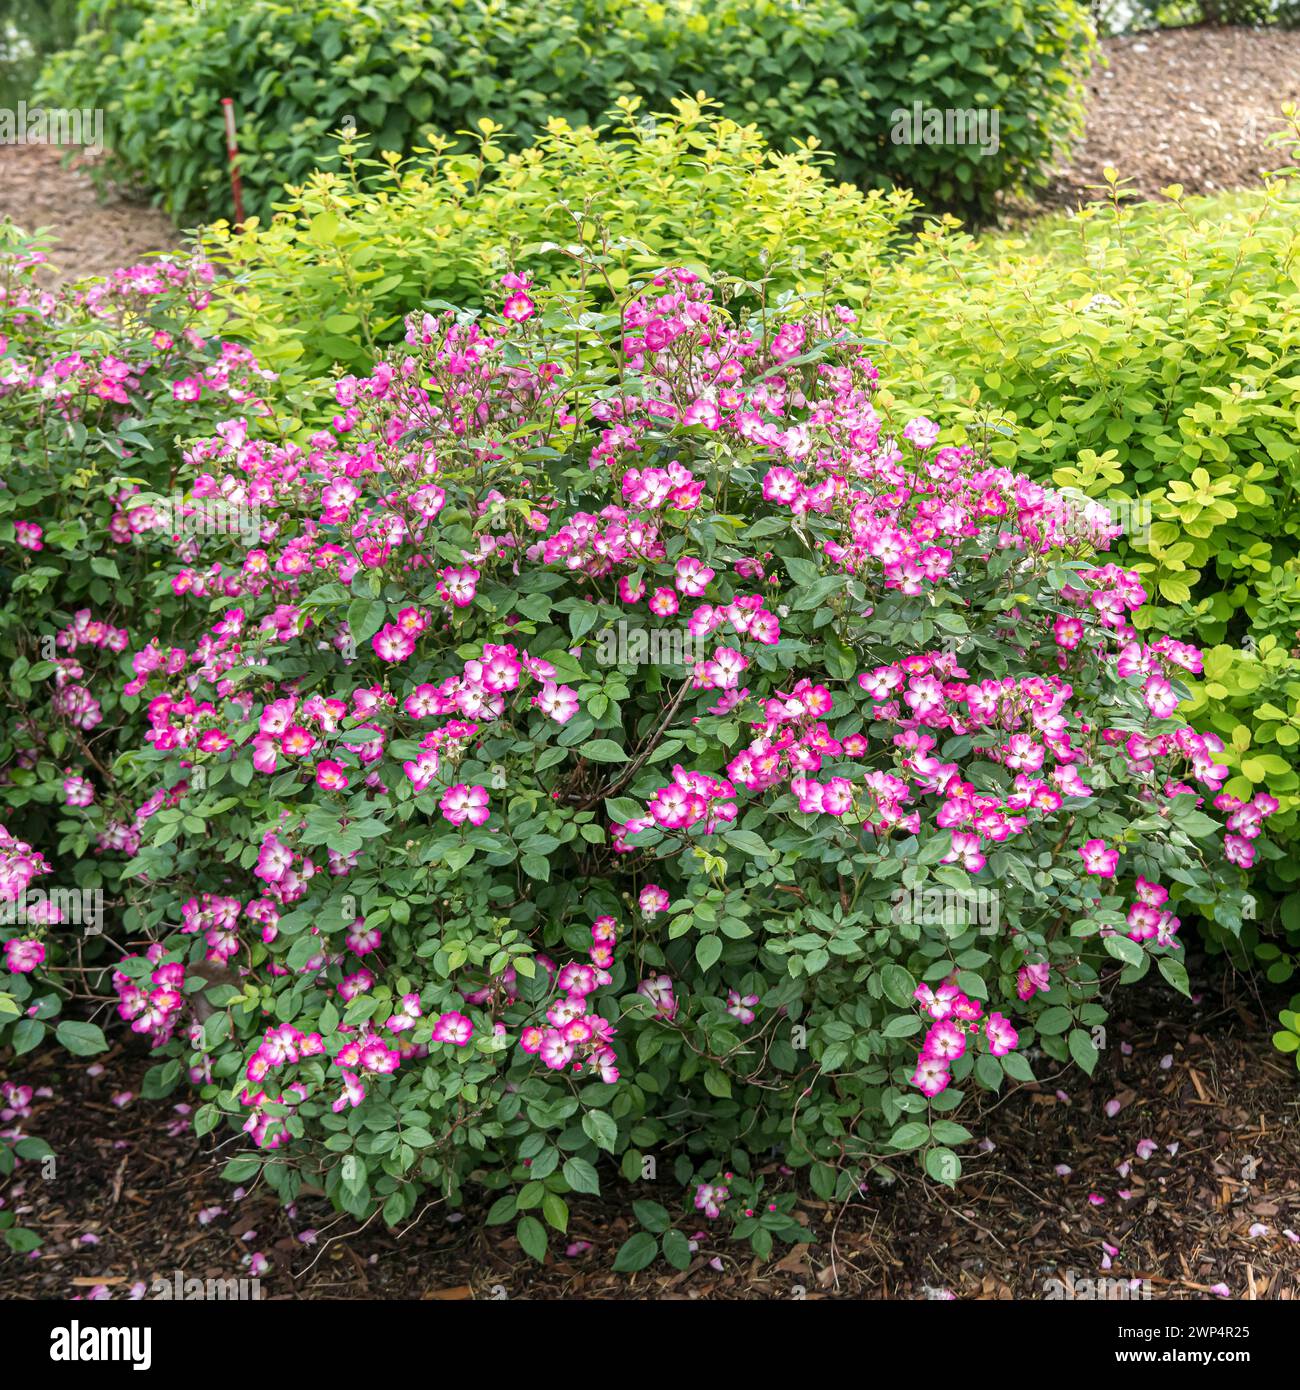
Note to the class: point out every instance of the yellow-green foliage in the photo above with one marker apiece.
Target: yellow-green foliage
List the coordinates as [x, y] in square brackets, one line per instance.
[329, 279]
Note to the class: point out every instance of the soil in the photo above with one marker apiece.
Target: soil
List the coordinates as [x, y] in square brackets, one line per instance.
[1214, 1205]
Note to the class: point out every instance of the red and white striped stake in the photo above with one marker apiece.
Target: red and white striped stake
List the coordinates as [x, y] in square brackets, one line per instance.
[232, 153]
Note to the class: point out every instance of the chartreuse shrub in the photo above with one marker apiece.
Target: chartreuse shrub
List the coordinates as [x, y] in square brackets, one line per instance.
[596, 733]
[1145, 354]
[331, 277]
[838, 72]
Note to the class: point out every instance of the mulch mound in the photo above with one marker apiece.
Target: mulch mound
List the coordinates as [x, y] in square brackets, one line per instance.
[1186, 106]
[1208, 1208]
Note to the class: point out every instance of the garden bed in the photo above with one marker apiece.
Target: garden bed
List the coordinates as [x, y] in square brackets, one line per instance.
[1167, 1158]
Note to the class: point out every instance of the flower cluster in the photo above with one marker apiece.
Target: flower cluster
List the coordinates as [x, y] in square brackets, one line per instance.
[155, 1007]
[575, 1036]
[280, 1047]
[956, 1022]
[1245, 820]
[19, 865]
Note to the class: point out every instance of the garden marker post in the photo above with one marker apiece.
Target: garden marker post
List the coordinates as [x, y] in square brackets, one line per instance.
[232, 153]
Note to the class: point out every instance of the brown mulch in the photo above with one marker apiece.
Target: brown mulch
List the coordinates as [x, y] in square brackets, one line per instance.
[1187, 106]
[1200, 1081]
[94, 235]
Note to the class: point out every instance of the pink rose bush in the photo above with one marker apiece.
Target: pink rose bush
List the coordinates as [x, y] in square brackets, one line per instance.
[422, 876]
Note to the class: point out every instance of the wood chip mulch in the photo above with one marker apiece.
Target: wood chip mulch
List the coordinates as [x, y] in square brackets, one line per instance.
[94, 236]
[1209, 1207]
[1185, 106]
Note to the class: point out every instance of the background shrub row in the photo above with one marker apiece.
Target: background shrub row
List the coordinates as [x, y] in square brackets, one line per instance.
[834, 71]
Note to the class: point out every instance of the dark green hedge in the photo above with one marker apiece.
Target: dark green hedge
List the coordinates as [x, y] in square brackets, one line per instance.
[836, 71]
